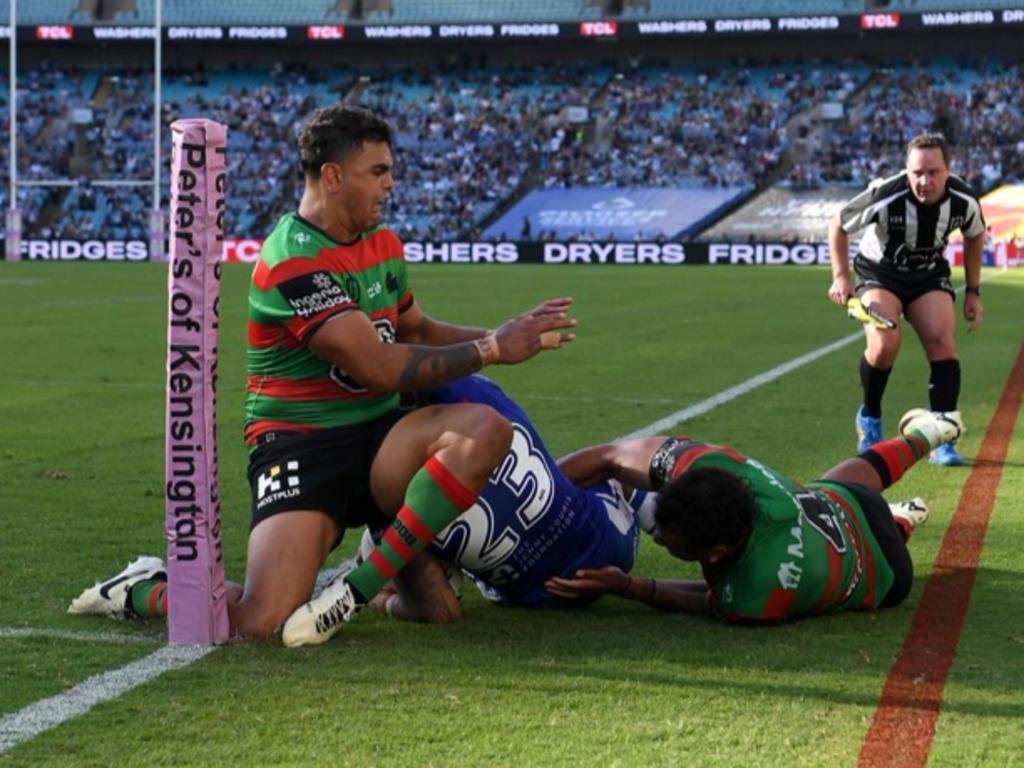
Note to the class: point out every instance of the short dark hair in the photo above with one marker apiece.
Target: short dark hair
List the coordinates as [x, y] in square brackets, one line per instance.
[930, 141]
[333, 132]
[707, 506]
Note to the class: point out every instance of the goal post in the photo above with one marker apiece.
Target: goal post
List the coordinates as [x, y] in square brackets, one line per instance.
[197, 606]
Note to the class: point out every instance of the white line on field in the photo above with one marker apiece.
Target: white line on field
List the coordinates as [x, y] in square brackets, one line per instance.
[68, 634]
[752, 383]
[49, 713]
[741, 389]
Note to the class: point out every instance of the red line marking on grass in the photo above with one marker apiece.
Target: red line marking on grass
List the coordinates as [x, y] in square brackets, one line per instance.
[904, 723]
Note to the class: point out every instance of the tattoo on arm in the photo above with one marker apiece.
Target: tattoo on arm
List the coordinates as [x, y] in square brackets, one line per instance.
[430, 366]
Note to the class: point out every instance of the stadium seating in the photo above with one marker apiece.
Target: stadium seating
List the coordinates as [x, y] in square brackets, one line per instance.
[979, 108]
[470, 143]
[687, 9]
[40, 11]
[403, 11]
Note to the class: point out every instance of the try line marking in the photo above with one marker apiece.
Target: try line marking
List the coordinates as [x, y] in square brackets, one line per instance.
[49, 713]
[903, 725]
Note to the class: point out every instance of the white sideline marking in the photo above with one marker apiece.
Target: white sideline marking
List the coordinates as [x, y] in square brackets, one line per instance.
[49, 713]
[68, 634]
[741, 389]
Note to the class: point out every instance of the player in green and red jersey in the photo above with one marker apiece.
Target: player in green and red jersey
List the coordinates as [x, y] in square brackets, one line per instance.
[771, 549]
[334, 335]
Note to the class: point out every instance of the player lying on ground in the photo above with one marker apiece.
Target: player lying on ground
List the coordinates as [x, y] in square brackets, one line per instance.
[529, 524]
[757, 519]
[770, 548]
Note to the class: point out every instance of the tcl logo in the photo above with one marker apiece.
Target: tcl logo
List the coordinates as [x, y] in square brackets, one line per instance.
[326, 32]
[879, 21]
[599, 28]
[245, 250]
[60, 32]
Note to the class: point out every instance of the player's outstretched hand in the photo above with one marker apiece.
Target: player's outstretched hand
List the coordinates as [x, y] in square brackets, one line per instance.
[543, 327]
[589, 582]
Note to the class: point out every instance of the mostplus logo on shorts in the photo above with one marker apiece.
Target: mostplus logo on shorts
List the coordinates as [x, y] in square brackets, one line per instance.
[276, 484]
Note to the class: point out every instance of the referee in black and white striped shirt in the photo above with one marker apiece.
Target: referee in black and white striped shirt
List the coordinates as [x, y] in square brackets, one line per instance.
[901, 268]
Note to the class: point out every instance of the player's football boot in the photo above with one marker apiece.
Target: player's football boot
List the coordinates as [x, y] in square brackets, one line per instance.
[946, 456]
[869, 430]
[909, 514]
[316, 622]
[110, 597]
[936, 427]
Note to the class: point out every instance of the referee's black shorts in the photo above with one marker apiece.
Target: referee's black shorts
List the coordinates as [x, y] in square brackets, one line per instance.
[907, 285]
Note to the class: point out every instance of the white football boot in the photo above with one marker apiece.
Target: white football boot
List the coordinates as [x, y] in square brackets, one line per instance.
[316, 622]
[110, 597]
[936, 427]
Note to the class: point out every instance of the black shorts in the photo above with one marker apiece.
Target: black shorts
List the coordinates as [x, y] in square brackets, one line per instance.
[327, 470]
[890, 541]
[906, 285]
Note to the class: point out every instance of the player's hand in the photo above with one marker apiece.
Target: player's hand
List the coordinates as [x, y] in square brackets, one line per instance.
[542, 327]
[840, 291]
[589, 582]
[379, 603]
[973, 311]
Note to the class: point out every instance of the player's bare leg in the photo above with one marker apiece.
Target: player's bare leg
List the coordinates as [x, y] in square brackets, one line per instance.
[431, 466]
[887, 461]
[468, 439]
[284, 555]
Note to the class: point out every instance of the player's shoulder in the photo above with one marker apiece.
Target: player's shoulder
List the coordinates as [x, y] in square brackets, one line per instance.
[384, 241]
[293, 237]
[887, 186]
[957, 185]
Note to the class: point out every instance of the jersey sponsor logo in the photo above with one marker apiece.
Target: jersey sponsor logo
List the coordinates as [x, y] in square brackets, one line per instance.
[276, 484]
[789, 576]
[311, 294]
[301, 238]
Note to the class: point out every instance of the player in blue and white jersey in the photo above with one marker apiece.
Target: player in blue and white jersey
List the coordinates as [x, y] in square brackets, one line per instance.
[531, 522]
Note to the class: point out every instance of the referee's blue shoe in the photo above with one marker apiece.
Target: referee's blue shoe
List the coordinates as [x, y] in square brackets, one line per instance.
[869, 430]
[946, 456]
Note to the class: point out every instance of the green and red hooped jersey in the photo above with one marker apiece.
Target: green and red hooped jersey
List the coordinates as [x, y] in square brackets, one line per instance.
[811, 550]
[302, 279]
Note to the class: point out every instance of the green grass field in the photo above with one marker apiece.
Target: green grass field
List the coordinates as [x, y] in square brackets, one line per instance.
[81, 443]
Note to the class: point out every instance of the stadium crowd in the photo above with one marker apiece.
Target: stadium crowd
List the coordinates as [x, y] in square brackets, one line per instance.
[978, 109]
[469, 143]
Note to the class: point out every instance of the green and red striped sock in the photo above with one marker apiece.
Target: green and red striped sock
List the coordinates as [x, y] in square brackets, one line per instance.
[433, 499]
[148, 599]
[893, 457]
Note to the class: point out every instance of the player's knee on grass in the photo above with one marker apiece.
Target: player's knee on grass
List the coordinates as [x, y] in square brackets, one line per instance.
[252, 620]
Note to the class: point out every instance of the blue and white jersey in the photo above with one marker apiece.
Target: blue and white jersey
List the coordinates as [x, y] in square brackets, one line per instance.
[530, 522]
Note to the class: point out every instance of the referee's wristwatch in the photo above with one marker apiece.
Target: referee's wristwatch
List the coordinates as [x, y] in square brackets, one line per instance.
[975, 289]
